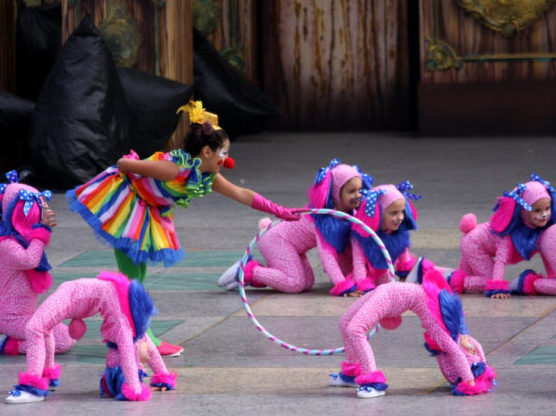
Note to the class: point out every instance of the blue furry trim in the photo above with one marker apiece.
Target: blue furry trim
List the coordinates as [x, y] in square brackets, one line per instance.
[403, 274]
[168, 386]
[376, 386]
[335, 231]
[455, 391]
[523, 238]
[395, 243]
[141, 307]
[130, 247]
[477, 369]
[32, 390]
[114, 379]
[433, 352]
[347, 379]
[54, 383]
[490, 293]
[521, 280]
[452, 314]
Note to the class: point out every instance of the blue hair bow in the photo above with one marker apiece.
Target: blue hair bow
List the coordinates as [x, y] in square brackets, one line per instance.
[30, 198]
[537, 178]
[405, 187]
[12, 178]
[370, 197]
[321, 174]
[516, 196]
[367, 179]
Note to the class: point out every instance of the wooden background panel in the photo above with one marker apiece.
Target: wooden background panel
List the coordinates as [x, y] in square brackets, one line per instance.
[337, 64]
[237, 27]
[468, 36]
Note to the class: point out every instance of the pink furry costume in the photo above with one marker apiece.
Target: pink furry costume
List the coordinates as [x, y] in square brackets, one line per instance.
[125, 308]
[285, 245]
[442, 318]
[369, 264]
[23, 265]
[507, 238]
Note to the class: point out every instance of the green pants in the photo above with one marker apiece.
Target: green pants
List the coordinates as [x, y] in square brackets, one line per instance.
[134, 271]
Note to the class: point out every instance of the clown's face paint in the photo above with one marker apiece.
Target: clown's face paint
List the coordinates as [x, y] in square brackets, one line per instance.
[350, 195]
[393, 216]
[540, 214]
[213, 160]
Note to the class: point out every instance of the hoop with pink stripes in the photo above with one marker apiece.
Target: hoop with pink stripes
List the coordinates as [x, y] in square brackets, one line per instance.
[252, 316]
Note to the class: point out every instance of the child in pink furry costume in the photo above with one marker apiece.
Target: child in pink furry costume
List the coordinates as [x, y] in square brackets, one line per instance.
[285, 245]
[23, 263]
[460, 357]
[512, 235]
[125, 308]
[388, 211]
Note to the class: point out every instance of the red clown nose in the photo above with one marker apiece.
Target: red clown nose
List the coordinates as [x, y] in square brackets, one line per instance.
[229, 163]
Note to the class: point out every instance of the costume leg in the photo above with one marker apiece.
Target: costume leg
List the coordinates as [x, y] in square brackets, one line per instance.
[285, 271]
[545, 286]
[63, 342]
[134, 271]
[478, 268]
[308, 273]
[547, 248]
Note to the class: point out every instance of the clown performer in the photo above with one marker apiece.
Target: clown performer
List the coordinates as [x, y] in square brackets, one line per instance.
[25, 229]
[125, 308]
[460, 357]
[130, 205]
[284, 247]
[512, 235]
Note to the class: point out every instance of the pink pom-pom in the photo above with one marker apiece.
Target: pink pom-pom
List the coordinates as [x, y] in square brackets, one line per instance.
[39, 233]
[77, 328]
[467, 223]
[365, 285]
[390, 323]
[143, 396]
[495, 285]
[264, 222]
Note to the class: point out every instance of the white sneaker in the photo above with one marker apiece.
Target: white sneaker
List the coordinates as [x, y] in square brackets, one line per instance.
[366, 392]
[20, 397]
[413, 276]
[336, 380]
[229, 276]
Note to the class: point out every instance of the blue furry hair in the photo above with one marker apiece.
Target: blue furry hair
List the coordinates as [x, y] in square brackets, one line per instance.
[334, 230]
[395, 243]
[408, 222]
[523, 237]
[141, 306]
[114, 379]
[452, 314]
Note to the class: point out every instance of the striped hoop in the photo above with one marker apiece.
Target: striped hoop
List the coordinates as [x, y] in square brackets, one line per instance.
[252, 316]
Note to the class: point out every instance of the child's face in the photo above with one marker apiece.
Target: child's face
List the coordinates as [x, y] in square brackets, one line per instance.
[350, 195]
[213, 160]
[540, 214]
[393, 216]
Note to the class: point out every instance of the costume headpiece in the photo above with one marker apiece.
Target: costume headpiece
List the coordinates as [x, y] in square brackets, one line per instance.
[522, 196]
[329, 181]
[197, 114]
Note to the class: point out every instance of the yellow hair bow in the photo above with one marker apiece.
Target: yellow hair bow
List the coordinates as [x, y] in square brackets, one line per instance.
[197, 114]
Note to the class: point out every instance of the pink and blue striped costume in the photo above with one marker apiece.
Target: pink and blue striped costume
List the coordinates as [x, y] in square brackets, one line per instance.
[507, 238]
[284, 246]
[23, 267]
[124, 308]
[385, 305]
